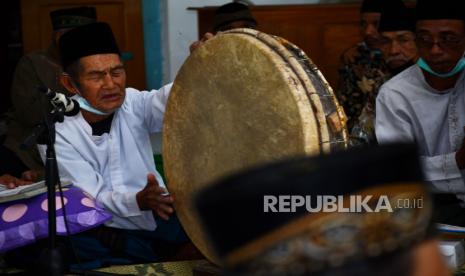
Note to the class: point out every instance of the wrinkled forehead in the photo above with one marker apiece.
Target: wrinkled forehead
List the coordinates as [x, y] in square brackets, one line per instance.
[100, 62]
[370, 17]
[397, 34]
[438, 26]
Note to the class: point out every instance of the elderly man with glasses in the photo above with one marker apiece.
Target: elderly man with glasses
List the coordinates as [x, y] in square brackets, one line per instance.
[397, 46]
[426, 104]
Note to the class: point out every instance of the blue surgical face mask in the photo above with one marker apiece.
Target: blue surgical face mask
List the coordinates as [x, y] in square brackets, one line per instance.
[84, 104]
[457, 69]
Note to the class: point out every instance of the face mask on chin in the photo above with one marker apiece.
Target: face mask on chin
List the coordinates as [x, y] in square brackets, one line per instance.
[84, 104]
[457, 69]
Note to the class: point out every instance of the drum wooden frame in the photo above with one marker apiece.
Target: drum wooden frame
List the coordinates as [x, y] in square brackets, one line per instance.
[243, 99]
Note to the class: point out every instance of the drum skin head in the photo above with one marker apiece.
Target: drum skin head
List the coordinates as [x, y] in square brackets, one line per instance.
[235, 103]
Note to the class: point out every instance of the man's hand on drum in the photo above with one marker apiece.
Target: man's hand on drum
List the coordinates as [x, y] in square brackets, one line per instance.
[194, 46]
[152, 198]
[12, 182]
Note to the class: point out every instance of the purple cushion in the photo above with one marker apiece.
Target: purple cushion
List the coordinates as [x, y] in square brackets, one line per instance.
[24, 221]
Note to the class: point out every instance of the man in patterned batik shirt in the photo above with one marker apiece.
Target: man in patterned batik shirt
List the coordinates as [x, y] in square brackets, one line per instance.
[363, 69]
[397, 45]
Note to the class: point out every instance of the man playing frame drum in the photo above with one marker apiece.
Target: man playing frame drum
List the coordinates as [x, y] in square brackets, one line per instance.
[242, 99]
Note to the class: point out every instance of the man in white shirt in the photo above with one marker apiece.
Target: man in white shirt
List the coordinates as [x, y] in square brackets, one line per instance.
[105, 149]
[426, 104]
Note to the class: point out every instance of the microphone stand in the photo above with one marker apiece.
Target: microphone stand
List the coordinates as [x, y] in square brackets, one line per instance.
[51, 262]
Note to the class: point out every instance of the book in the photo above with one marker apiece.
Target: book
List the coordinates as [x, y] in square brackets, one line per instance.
[450, 228]
[25, 191]
[450, 232]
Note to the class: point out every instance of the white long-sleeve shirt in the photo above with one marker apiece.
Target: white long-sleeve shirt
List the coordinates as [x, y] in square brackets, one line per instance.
[113, 167]
[408, 109]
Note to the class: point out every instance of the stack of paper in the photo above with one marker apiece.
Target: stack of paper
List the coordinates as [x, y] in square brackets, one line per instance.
[25, 191]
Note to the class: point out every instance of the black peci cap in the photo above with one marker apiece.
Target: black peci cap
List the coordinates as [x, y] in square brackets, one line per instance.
[232, 12]
[398, 18]
[251, 240]
[87, 40]
[374, 6]
[72, 17]
[436, 10]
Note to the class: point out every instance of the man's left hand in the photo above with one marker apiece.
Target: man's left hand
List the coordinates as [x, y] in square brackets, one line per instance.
[12, 182]
[152, 198]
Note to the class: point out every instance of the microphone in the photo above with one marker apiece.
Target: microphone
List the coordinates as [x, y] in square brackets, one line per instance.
[60, 100]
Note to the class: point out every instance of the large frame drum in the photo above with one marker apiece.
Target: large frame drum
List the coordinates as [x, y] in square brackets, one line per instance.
[243, 99]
